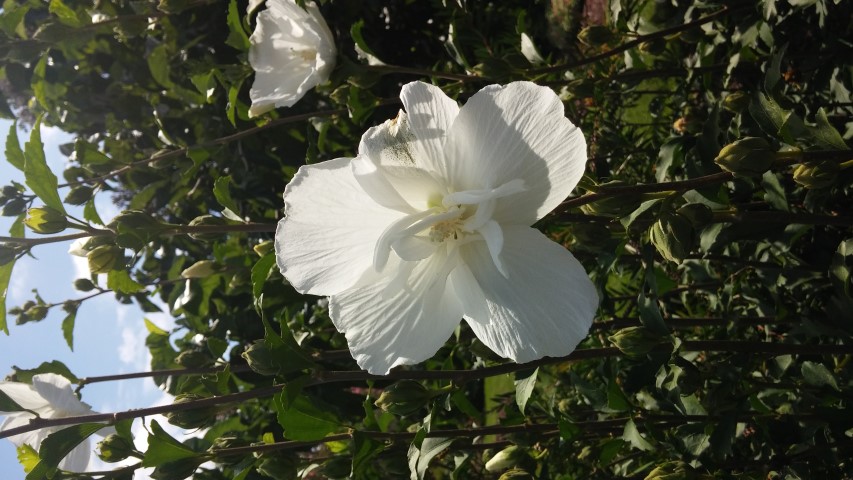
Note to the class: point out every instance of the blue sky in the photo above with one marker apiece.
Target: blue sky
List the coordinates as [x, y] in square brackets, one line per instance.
[109, 337]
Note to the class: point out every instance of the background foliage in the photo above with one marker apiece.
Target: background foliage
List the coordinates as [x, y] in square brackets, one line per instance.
[722, 343]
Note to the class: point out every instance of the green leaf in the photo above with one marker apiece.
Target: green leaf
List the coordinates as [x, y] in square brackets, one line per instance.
[38, 175]
[632, 436]
[525, 381]
[650, 315]
[120, 281]
[90, 213]
[7, 404]
[163, 448]
[839, 270]
[5, 277]
[419, 457]
[222, 193]
[54, 366]
[14, 154]
[260, 271]
[818, 375]
[158, 64]
[774, 194]
[28, 457]
[616, 399]
[671, 154]
[58, 445]
[302, 419]
[774, 73]
[65, 14]
[568, 430]
[642, 209]
[237, 37]
[825, 134]
[68, 329]
[285, 353]
[364, 450]
[767, 113]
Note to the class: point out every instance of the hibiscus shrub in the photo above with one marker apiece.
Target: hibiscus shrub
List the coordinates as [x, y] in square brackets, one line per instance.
[692, 156]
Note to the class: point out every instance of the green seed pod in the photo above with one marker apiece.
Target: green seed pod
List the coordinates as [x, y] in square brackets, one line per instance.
[736, 102]
[201, 269]
[747, 156]
[14, 207]
[207, 220]
[595, 35]
[635, 341]
[260, 359]
[115, 448]
[673, 236]
[516, 474]
[84, 285]
[46, 220]
[195, 418]
[36, 313]
[104, 258]
[79, 195]
[404, 397]
[506, 458]
[817, 174]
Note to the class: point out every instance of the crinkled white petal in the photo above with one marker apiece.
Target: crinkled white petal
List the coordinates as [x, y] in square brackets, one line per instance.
[431, 115]
[528, 49]
[399, 320]
[23, 394]
[326, 241]
[57, 391]
[516, 132]
[544, 305]
[292, 51]
[398, 165]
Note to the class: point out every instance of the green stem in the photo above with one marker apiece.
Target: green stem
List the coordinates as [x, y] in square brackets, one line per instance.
[425, 73]
[207, 229]
[782, 218]
[637, 41]
[31, 242]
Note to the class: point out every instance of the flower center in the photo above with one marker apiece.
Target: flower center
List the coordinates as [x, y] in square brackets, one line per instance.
[458, 217]
[307, 54]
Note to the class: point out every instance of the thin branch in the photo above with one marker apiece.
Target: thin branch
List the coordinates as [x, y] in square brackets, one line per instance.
[425, 73]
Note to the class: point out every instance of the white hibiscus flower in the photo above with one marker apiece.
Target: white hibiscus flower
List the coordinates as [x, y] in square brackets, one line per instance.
[292, 51]
[430, 223]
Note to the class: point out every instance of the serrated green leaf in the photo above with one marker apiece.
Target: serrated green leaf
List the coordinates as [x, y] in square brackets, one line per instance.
[14, 154]
[64, 13]
[158, 64]
[53, 366]
[419, 457]
[616, 399]
[154, 329]
[5, 277]
[525, 382]
[825, 134]
[28, 457]
[222, 192]
[302, 419]
[632, 436]
[90, 213]
[364, 449]
[36, 172]
[120, 281]
[163, 448]
[774, 194]
[59, 444]
[260, 272]
[818, 375]
[841, 266]
[285, 353]
[237, 37]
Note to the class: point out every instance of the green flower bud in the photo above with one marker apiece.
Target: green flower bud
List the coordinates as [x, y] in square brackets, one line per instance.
[221, 443]
[506, 458]
[193, 359]
[260, 359]
[264, 248]
[516, 474]
[200, 269]
[595, 35]
[135, 220]
[79, 195]
[277, 467]
[699, 214]
[817, 174]
[736, 102]
[747, 156]
[673, 236]
[675, 470]
[104, 258]
[84, 285]
[36, 313]
[14, 207]
[636, 341]
[207, 220]
[194, 418]
[115, 448]
[45, 220]
[9, 191]
[404, 397]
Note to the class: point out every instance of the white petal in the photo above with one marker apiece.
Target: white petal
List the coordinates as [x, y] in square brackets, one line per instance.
[494, 237]
[396, 156]
[469, 293]
[77, 459]
[326, 240]
[392, 322]
[23, 394]
[545, 304]
[57, 390]
[414, 247]
[431, 114]
[32, 438]
[529, 50]
[376, 184]
[516, 132]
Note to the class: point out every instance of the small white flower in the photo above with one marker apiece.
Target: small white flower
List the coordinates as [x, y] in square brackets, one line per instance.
[430, 223]
[49, 396]
[292, 51]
